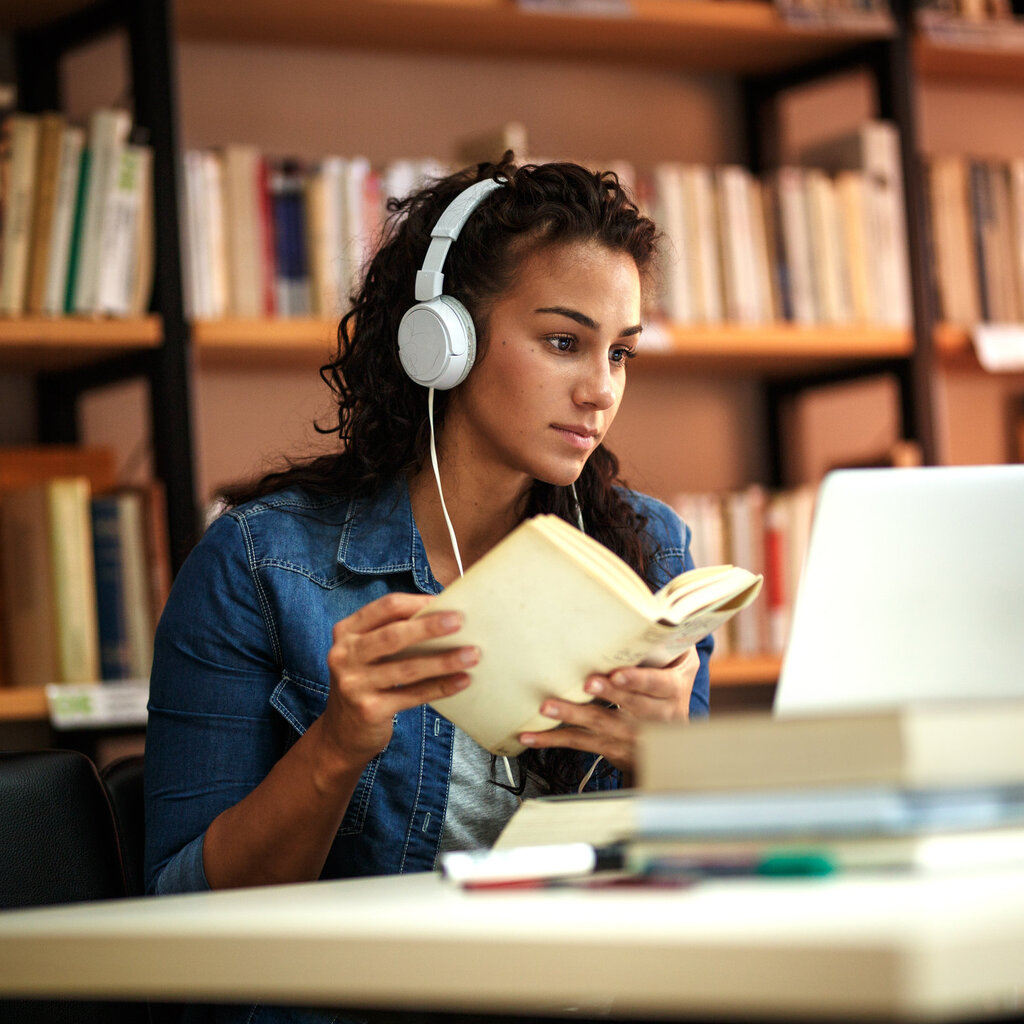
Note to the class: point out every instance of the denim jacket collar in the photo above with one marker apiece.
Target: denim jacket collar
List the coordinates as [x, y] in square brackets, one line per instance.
[380, 536]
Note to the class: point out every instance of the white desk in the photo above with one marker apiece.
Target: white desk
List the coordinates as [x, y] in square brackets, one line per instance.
[927, 948]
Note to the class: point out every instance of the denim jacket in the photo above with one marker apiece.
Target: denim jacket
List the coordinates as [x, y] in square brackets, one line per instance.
[240, 672]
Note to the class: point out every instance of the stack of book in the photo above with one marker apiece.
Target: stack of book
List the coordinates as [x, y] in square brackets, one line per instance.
[931, 787]
[77, 222]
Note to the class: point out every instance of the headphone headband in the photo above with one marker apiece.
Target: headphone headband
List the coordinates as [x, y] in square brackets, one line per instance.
[430, 279]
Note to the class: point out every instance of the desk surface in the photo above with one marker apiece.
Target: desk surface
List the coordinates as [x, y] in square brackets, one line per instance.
[937, 947]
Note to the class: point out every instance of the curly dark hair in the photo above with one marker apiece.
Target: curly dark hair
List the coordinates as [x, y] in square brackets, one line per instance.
[381, 414]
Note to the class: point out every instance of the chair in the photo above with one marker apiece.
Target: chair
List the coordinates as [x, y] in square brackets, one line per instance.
[58, 844]
[123, 781]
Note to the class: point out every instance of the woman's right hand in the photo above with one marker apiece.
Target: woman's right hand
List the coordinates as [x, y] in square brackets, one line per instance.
[371, 682]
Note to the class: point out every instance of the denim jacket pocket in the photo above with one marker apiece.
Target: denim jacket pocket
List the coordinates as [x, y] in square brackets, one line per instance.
[302, 701]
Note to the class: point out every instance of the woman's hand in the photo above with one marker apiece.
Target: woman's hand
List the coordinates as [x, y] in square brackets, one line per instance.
[639, 695]
[371, 682]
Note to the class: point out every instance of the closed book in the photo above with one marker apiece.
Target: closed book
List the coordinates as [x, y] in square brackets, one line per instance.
[795, 224]
[51, 133]
[49, 586]
[22, 141]
[244, 218]
[914, 746]
[966, 849]
[123, 586]
[107, 137]
[678, 300]
[62, 225]
[548, 606]
[120, 259]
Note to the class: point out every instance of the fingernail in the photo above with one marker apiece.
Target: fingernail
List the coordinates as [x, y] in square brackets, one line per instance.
[528, 739]
[461, 682]
[549, 711]
[450, 620]
[469, 655]
[619, 679]
[595, 686]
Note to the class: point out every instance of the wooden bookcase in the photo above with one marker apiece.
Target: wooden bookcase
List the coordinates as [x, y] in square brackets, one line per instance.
[744, 39]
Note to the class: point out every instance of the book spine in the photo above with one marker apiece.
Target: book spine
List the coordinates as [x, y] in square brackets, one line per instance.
[108, 134]
[50, 142]
[108, 556]
[23, 131]
[55, 291]
[77, 229]
[73, 580]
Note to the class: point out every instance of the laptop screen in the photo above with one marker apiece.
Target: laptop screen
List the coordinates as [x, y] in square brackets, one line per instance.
[912, 590]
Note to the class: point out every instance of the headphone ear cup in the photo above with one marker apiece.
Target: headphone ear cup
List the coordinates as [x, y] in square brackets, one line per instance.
[437, 343]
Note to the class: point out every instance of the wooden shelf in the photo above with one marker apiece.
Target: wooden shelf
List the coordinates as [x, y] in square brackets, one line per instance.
[740, 35]
[23, 704]
[947, 61]
[60, 343]
[781, 348]
[955, 348]
[753, 670]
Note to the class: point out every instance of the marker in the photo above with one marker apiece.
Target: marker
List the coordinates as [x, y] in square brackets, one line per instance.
[525, 864]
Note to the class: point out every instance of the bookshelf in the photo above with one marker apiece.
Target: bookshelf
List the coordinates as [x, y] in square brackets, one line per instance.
[743, 39]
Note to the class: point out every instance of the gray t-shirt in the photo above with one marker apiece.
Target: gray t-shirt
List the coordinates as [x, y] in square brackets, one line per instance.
[477, 808]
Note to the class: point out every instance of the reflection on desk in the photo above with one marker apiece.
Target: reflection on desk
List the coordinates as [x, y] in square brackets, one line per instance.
[890, 947]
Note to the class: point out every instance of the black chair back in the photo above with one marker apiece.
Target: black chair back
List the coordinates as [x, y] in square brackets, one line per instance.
[58, 844]
[124, 783]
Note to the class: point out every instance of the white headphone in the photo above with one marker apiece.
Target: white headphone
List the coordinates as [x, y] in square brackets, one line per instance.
[436, 337]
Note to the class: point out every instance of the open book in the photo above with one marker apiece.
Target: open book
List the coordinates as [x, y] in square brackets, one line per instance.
[549, 606]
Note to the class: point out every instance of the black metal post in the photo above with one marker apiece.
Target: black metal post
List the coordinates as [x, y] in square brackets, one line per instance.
[155, 92]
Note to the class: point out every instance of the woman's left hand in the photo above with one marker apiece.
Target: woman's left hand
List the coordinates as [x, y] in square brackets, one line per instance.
[639, 695]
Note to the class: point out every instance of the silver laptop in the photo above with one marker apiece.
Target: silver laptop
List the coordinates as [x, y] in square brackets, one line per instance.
[912, 590]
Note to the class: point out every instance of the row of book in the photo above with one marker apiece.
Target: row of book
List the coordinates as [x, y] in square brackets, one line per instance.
[75, 216]
[813, 244]
[271, 237]
[764, 531]
[977, 238]
[83, 578]
[807, 244]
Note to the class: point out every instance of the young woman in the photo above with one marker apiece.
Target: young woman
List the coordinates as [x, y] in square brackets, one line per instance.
[289, 737]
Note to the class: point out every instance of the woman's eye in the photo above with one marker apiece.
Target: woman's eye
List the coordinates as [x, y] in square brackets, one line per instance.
[562, 342]
[621, 355]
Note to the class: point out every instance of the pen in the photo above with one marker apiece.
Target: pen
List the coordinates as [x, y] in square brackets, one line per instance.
[795, 864]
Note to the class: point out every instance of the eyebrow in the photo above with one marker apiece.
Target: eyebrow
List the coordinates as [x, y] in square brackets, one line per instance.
[586, 321]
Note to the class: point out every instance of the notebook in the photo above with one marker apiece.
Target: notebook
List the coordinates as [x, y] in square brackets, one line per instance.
[912, 590]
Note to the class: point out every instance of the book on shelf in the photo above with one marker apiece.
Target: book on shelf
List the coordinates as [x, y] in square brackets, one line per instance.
[21, 142]
[59, 245]
[771, 528]
[49, 589]
[491, 145]
[47, 173]
[914, 746]
[874, 149]
[548, 606]
[290, 229]
[107, 137]
[78, 234]
[123, 584]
